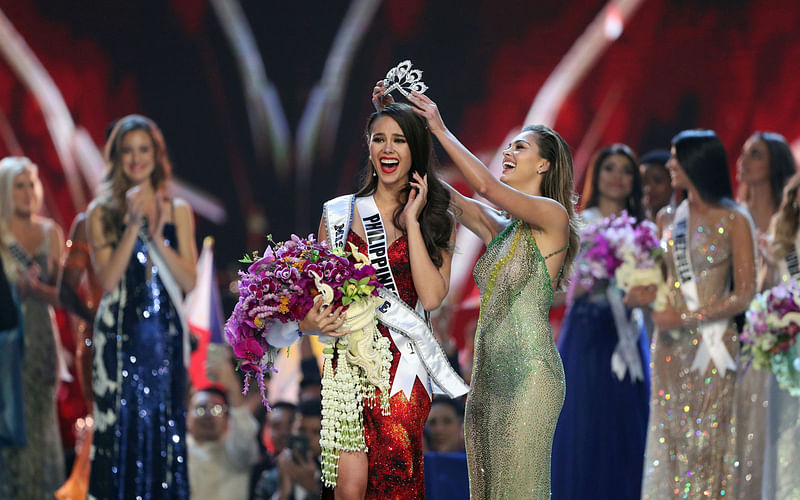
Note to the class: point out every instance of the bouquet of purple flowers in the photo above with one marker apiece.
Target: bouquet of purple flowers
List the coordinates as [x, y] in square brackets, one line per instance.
[281, 286]
[770, 333]
[617, 248]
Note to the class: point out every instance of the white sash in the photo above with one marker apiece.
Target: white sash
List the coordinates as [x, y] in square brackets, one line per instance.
[376, 241]
[626, 353]
[712, 347]
[792, 263]
[421, 355]
[173, 290]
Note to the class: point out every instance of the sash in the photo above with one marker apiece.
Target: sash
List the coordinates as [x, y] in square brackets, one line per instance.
[792, 263]
[712, 346]
[421, 356]
[170, 285]
[173, 290]
[376, 241]
[25, 261]
[626, 356]
[337, 215]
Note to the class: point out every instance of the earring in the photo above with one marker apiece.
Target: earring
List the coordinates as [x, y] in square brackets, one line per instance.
[540, 171]
[374, 173]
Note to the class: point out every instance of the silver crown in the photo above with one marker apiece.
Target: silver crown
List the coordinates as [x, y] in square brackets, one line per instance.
[405, 79]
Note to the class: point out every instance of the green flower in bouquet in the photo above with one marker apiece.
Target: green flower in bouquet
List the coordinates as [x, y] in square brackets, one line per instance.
[354, 290]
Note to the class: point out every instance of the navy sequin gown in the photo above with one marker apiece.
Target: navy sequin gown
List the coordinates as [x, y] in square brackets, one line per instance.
[139, 383]
[598, 448]
[599, 444]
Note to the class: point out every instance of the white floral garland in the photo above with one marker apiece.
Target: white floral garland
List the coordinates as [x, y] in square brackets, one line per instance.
[348, 388]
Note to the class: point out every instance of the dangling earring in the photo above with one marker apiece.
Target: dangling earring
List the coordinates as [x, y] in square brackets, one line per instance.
[374, 173]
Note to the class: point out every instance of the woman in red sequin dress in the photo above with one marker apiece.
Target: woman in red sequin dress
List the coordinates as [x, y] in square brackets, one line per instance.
[418, 234]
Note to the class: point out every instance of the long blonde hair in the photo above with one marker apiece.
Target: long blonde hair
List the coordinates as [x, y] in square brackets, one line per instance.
[10, 168]
[558, 184]
[111, 196]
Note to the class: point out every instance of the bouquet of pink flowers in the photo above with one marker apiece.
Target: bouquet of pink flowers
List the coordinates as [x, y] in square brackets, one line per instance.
[617, 248]
[281, 286]
[770, 333]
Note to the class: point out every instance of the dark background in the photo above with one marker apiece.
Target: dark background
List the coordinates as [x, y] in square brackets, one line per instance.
[730, 65]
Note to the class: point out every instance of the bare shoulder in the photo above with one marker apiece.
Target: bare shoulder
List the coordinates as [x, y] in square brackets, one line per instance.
[181, 204]
[665, 217]
[556, 220]
[183, 211]
[740, 218]
[95, 210]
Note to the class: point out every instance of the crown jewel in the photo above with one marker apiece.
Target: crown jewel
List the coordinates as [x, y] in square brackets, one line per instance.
[405, 79]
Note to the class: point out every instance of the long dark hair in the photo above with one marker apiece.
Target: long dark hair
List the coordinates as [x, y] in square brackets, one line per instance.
[781, 163]
[435, 222]
[633, 203]
[702, 156]
[558, 183]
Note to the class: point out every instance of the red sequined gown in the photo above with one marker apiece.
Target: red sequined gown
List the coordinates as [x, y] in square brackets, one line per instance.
[395, 441]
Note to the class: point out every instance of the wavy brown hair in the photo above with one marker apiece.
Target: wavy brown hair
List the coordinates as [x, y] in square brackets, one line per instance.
[787, 219]
[435, 221]
[112, 192]
[558, 183]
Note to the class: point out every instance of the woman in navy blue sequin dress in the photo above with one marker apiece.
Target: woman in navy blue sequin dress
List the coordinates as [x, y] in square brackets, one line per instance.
[144, 254]
[598, 448]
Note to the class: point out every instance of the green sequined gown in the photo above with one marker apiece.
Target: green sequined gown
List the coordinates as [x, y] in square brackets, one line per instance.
[518, 379]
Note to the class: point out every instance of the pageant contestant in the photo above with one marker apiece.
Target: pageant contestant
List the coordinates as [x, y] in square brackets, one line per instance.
[77, 265]
[517, 380]
[711, 275]
[31, 248]
[781, 436]
[143, 249]
[764, 166]
[598, 331]
[400, 219]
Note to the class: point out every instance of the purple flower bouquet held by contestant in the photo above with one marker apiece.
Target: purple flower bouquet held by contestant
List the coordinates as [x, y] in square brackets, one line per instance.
[770, 334]
[281, 286]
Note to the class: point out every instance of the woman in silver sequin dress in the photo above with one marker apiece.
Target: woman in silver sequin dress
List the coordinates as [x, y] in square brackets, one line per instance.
[780, 432]
[764, 165]
[31, 247]
[517, 380]
[710, 262]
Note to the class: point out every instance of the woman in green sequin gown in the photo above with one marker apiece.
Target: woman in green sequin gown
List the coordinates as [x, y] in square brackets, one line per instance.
[517, 379]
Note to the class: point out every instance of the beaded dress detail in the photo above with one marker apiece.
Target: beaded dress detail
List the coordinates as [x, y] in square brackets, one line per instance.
[518, 379]
[36, 470]
[690, 440]
[139, 383]
[394, 441]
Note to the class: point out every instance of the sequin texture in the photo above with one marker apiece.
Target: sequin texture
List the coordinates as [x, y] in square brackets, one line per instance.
[394, 442]
[691, 434]
[518, 379]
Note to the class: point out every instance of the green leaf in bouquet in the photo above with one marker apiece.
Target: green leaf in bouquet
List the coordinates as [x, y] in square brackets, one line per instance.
[246, 259]
[346, 300]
